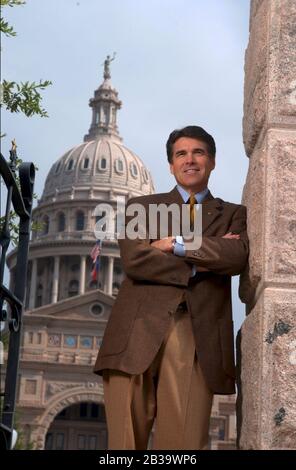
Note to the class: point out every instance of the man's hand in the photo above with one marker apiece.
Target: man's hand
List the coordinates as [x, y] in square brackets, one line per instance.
[231, 235]
[165, 244]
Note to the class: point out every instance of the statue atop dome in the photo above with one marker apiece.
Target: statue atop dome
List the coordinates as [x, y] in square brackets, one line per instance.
[105, 105]
[106, 64]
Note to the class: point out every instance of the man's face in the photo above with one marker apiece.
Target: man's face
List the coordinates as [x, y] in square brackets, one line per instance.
[191, 164]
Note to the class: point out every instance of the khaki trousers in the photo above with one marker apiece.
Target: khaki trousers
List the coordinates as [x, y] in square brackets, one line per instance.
[172, 392]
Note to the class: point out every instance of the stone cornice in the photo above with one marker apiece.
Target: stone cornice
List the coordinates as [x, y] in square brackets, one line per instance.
[44, 248]
[72, 302]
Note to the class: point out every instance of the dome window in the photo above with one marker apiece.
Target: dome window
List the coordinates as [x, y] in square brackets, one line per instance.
[61, 222]
[79, 220]
[145, 175]
[119, 165]
[58, 166]
[102, 164]
[73, 288]
[85, 163]
[45, 225]
[70, 165]
[134, 169]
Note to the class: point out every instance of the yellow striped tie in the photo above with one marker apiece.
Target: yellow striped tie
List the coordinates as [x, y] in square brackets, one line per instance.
[192, 202]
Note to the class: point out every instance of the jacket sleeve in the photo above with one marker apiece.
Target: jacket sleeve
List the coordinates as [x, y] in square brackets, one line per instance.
[143, 262]
[222, 255]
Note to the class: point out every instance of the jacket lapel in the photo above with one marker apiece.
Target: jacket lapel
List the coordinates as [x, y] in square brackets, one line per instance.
[212, 209]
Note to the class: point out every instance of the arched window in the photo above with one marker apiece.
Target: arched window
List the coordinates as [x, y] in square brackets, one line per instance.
[79, 220]
[145, 175]
[134, 169]
[73, 288]
[119, 165]
[85, 163]
[57, 168]
[61, 222]
[70, 165]
[45, 225]
[102, 164]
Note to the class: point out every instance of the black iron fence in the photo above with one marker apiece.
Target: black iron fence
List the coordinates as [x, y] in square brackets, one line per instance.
[19, 199]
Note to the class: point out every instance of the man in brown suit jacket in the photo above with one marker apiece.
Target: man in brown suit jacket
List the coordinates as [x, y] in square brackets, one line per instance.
[168, 345]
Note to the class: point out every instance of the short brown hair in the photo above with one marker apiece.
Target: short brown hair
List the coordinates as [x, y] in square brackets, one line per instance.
[194, 132]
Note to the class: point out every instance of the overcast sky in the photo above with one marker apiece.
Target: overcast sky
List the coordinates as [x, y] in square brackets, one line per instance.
[178, 62]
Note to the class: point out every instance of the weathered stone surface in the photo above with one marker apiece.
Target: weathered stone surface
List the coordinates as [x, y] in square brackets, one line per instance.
[254, 198]
[255, 89]
[255, 4]
[270, 195]
[268, 346]
[280, 208]
[269, 372]
[270, 69]
[282, 62]
[251, 378]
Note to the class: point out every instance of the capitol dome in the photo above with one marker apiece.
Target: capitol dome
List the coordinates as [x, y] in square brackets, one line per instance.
[101, 161]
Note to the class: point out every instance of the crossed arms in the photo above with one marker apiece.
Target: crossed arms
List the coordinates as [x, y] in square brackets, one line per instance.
[155, 262]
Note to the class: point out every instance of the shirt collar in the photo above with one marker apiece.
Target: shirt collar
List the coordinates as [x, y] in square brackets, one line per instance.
[198, 196]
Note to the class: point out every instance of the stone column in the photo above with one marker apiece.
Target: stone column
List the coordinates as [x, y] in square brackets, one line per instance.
[33, 284]
[55, 280]
[268, 335]
[110, 275]
[82, 274]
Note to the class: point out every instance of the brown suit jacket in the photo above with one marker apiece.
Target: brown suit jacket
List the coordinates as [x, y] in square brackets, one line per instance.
[155, 283]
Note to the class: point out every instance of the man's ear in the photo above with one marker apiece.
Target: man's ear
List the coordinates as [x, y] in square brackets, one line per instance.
[213, 162]
[171, 169]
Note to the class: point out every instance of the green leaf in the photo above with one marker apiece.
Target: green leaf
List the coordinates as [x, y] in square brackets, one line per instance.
[24, 97]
